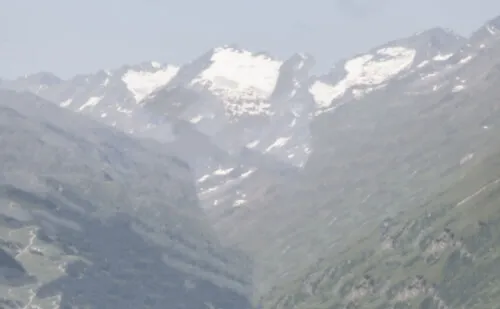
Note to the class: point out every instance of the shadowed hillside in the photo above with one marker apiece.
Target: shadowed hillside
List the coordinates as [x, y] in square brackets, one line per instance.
[95, 219]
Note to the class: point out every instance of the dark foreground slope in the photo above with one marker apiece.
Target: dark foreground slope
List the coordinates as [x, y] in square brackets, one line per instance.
[412, 221]
[90, 218]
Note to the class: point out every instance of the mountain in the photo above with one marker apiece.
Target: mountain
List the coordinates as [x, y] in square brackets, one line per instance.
[381, 66]
[240, 99]
[442, 254]
[214, 146]
[402, 210]
[295, 220]
[93, 218]
[110, 96]
[294, 168]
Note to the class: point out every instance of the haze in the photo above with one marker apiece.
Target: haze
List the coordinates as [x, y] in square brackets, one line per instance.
[70, 37]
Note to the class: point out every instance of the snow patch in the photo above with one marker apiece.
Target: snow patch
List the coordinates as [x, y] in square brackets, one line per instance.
[440, 57]
[222, 172]
[458, 88]
[427, 76]
[66, 103]
[359, 93]
[155, 64]
[203, 178]
[491, 30]
[436, 87]
[209, 190]
[323, 93]
[239, 203]
[366, 71]
[279, 142]
[91, 102]
[466, 158]
[423, 64]
[248, 107]
[123, 110]
[196, 119]
[143, 83]
[241, 75]
[253, 144]
[465, 60]
[247, 173]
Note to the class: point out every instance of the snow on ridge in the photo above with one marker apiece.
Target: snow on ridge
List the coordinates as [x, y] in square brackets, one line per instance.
[143, 83]
[279, 142]
[239, 74]
[423, 64]
[440, 57]
[247, 173]
[239, 202]
[253, 144]
[222, 172]
[91, 102]
[364, 71]
[155, 64]
[196, 119]
[203, 178]
[66, 103]
[322, 93]
[458, 88]
[491, 29]
[466, 158]
[209, 190]
[465, 60]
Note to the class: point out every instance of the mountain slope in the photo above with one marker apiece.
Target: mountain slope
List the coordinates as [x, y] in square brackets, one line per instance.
[373, 157]
[110, 96]
[442, 254]
[92, 218]
[413, 187]
[358, 76]
[241, 99]
[294, 222]
[287, 164]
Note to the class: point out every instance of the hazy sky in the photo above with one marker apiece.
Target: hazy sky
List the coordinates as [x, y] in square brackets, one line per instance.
[69, 36]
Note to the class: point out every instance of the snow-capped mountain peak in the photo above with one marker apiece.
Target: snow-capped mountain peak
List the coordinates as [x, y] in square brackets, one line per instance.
[144, 80]
[236, 114]
[237, 83]
[236, 74]
[368, 70]
[364, 73]
[241, 96]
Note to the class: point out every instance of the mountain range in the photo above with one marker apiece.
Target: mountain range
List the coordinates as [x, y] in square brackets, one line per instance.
[281, 172]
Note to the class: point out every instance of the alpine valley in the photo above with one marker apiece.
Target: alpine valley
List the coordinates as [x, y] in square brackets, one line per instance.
[239, 180]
